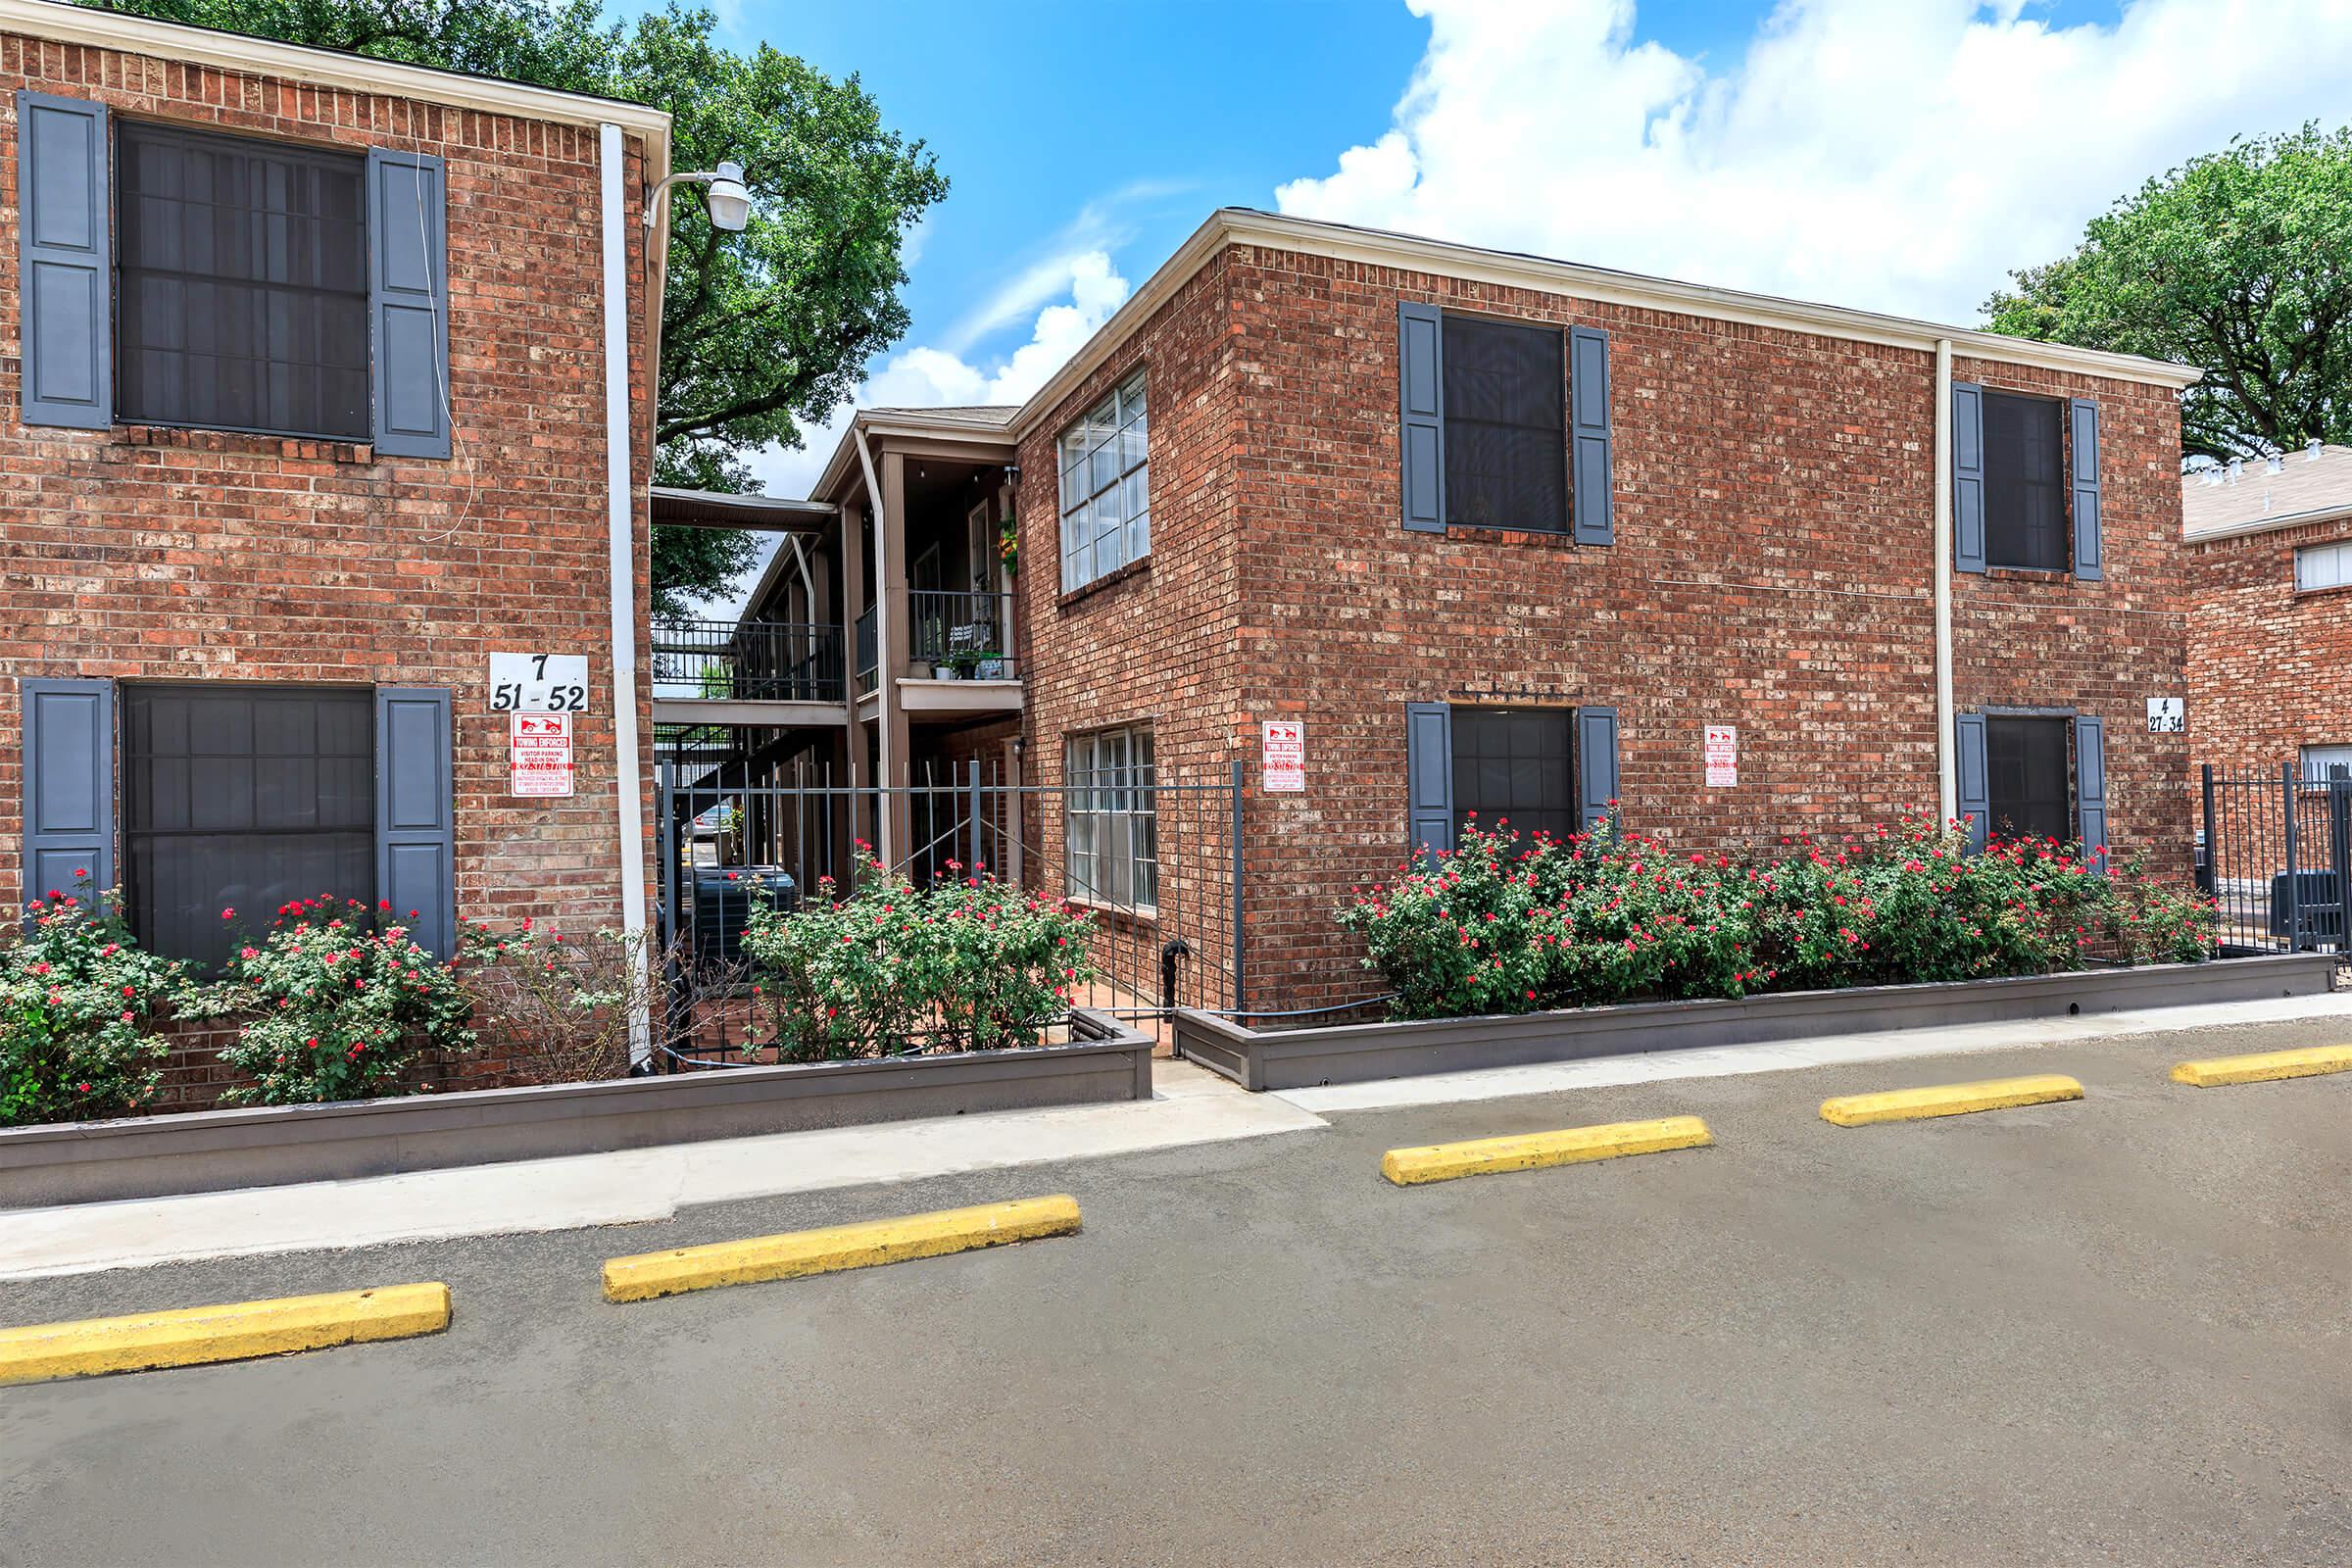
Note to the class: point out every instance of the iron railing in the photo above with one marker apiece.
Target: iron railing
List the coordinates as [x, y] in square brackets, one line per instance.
[748, 660]
[2275, 854]
[868, 650]
[962, 635]
[793, 835]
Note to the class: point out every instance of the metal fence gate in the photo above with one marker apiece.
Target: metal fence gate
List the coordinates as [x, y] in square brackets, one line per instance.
[2275, 853]
[1155, 857]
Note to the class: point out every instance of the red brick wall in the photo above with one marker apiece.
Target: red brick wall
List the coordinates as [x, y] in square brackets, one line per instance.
[1772, 570]
[1156, 642]
[165, 556]
[2270, 668]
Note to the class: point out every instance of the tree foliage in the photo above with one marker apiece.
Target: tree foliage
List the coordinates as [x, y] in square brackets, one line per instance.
[764, 332]
[2239, 263]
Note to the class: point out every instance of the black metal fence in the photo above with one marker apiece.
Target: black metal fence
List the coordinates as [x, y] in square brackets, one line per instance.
[2275, 853]
[752, 661]
[1159, 867]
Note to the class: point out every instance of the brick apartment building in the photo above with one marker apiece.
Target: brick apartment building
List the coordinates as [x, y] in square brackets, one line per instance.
[322, 380]
[1511, 536]
[2269, 562]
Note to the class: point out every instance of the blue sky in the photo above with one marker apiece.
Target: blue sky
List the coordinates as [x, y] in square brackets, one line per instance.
[1896, 155]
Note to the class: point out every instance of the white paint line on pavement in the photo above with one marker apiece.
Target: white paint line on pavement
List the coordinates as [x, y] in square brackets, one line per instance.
[1192, 1105]
[1824, 1051]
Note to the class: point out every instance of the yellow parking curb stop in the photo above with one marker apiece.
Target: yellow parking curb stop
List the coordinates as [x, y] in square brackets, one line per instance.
[236, 1332]
[1485, 1156]
[2265, 1066]
[796, 1253]
[1950, 1100]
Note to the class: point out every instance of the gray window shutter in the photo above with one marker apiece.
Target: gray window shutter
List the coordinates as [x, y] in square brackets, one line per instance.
[415, 807]
[1593, 512]
[407, 303]
[1968, 476]
[1429, 776]
[2084, 438]
[2090, 788]
[1421, 427]
[66, 286]
[1974, 778]
[1596, 765]
[69, 786]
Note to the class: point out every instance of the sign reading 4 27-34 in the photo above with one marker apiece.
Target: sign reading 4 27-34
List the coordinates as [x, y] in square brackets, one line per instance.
[539, 683]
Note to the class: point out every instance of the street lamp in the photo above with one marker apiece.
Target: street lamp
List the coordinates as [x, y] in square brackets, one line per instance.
[730, 203]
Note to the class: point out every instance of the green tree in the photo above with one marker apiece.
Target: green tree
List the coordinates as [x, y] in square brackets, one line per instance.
[2239, 263]
[764, 332]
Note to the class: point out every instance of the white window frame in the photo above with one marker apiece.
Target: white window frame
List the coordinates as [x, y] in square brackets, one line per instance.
[1104, 461]
[2321, 566]
[1110, 824]
[2316, 759]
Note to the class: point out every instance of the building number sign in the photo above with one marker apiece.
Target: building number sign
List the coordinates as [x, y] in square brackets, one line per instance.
[539, 683]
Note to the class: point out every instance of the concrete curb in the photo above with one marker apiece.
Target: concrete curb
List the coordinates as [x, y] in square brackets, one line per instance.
[236, 1332]
[796, 1253]
[2264, 1066]
[1485, 1156]
[1353, 1054]
[1948, 1100]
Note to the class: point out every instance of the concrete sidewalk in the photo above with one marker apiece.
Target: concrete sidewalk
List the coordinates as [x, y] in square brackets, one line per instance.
[1191, 1106]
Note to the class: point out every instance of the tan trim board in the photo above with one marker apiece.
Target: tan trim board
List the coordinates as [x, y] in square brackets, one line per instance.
[1376, 247]
[325, 67]
[782, 715]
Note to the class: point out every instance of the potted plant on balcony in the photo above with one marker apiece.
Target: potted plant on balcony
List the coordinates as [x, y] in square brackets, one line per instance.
[959, 664]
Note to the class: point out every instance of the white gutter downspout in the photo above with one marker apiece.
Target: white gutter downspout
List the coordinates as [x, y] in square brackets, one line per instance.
[622, 541]
[1947, 782]
[885, 688]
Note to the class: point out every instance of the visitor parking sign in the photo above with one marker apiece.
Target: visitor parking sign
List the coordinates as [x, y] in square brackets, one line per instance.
[539, 753]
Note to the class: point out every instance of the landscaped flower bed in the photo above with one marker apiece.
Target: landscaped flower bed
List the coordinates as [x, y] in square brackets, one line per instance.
[1506, 925]
[965, 963]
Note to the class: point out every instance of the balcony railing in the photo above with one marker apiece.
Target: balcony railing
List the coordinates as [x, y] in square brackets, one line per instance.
[966, 636]
[753, 661]
[869, 655]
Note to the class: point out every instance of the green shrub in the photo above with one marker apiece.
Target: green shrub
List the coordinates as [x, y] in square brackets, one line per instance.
[1506, 925]
[79, 1004]
[330, 1005]
[967, 963]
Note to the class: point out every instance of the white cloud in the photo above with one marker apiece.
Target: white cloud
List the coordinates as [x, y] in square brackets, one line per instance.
[1895, 157]
[1086, 289]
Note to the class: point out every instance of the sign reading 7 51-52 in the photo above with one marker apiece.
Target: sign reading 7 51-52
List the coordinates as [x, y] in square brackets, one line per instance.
[539, 683]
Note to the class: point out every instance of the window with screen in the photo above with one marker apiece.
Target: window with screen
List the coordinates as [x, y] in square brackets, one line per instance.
[2024, 482]
[242, 285]
[2029, 778]
[2320, 566]
[1112, 824]
[1106, 466]
[242, 798]
[1506, 425]
[1516, 765]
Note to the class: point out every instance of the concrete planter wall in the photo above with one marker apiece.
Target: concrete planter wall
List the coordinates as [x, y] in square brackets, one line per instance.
[1302, 1059]
[208, 1150]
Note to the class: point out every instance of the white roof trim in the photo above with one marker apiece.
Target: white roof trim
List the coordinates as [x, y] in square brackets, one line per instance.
[2293, 519]
[1235, 226]
[329, 68]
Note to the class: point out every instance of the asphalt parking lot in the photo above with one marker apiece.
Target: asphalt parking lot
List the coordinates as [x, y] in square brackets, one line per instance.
[2109, 1331]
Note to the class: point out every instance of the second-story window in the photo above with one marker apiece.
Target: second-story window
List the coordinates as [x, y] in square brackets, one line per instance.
[1106, 486]
[2024, 482]
[1507, 435]
[2318, 567]
[242, 294]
